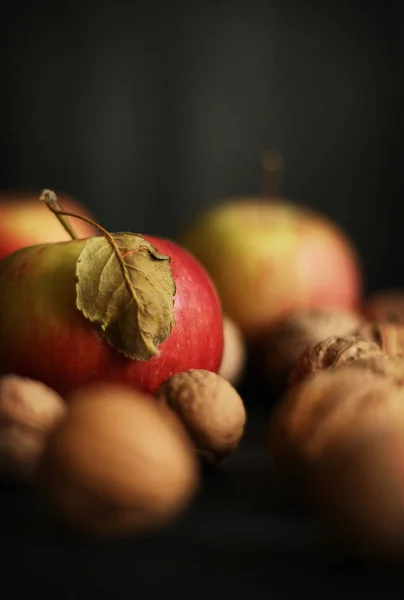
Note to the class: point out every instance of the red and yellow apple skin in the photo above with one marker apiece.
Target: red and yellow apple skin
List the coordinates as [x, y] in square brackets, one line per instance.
[268, 258]
[45, 337]
[25, 221]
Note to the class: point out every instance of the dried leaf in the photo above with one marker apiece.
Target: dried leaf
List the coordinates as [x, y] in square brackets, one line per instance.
[128, 290]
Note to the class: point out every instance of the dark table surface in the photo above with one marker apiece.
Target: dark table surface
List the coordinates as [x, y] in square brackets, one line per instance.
[247, 532]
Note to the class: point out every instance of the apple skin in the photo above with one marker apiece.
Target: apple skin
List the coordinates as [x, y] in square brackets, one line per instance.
[45, 337]
[271, 257]
[25, 221]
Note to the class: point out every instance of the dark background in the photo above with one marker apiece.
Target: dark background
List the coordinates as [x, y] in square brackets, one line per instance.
[148, 112]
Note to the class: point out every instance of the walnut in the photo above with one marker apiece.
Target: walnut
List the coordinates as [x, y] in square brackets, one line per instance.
[322, 409]
[234, 352]
[387, 305]
[210, 408]
[118, 464]
[340, 435]
[389, 336]
[29, 410]
[333, 352]
[284, 343]
[358, 495]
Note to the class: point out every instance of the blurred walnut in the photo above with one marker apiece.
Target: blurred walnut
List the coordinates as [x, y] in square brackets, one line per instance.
[333, 352]
[29, 410]
[323, 409]
[283, 345]
[340, 435]
[357, 490]
[118, 464]
[387, 305]
[234, 352]
[389, 336]
[210, 408]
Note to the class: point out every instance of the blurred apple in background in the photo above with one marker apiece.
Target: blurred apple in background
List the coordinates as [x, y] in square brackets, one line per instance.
[25, 220]
[269, 257]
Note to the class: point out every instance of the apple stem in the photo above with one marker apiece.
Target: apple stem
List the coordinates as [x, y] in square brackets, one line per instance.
[272, 174]
[51, 201]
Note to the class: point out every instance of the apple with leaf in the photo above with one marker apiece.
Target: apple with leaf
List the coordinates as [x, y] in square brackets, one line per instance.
[119, 307]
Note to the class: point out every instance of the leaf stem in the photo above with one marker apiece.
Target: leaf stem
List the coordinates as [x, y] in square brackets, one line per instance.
[51, 201]
[272, 174]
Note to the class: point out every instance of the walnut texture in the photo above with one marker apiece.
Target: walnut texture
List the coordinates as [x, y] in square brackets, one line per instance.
[210, 408]
[332, 353]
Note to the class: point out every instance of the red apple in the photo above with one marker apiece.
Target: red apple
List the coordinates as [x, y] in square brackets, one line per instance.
[271, 257]
[44, 335]
[25, 221]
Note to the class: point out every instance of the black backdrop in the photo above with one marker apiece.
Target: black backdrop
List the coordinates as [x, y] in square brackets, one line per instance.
[148, 112]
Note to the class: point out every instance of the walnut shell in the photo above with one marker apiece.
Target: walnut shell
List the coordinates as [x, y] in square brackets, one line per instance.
[210, 408]
[357, 491]
[333, 352]
[234, 352]
[387, 305]
[119, 464]
[29, 410]
[283, 344]
[340, 435]
[389, 336]
[321, 411]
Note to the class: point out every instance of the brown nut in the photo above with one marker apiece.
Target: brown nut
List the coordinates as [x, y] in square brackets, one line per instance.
[118, 464]
[389, 336]
[288, 339]
[322, 410]
[28, 412]
[210, 408]
[340, 434]
[234, 352]
[387, 305]
[332, 353]
[357, 491]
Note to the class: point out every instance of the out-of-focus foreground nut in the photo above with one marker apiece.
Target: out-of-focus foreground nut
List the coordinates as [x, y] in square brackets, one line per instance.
[28, 412]
[210, 408]
[358, 492]
[340, 434]
[234, 352]
[283, 345]
[321, 410]
[118, 463]
[332, 353]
